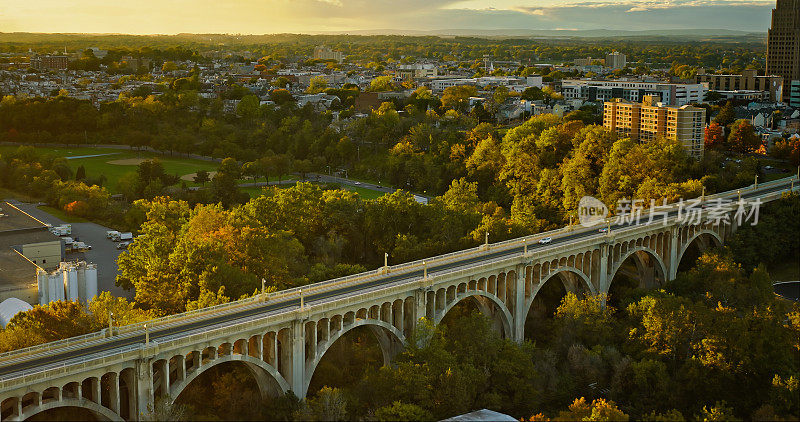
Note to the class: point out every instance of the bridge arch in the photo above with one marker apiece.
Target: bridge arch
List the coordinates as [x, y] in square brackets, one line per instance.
[684, 247]
[388, 336]
[633, 251]
[587, 284]
[102, 412]
[505, 314]
[267, 377]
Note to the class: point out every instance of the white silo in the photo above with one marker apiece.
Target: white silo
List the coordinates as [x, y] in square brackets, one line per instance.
[56, 287]
[90, 277]
[71, 282]
[43, 283]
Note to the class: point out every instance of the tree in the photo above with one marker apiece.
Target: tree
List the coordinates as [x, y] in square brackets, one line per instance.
[402, 412]
[598, 410]
[714, 136]
[303, 167]
[381, 84]
[317, 84]
[726, 115]
[743, 137]
[281, 96]
[80, 173]
[457, 97]
[201, 177]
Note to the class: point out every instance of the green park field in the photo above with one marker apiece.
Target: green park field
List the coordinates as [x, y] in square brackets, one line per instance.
[115, 163]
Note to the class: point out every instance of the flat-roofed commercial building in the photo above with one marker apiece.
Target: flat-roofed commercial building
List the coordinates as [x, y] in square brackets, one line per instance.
[635, 91]
[26, 246]
[747, 81]
[651, 119]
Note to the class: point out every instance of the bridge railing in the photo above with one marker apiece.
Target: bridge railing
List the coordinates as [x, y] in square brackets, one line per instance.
[320, 286]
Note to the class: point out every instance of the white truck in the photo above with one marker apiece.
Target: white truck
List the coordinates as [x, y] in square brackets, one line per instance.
[62, 230]
[119, 237]
[80, 247]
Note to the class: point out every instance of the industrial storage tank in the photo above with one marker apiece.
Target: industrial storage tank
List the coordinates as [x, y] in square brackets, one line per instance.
[90, 277]
[11, 307]
[71, 282]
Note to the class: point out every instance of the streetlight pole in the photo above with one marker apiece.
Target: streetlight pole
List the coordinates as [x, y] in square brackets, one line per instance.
[739, 193]
[486, 242]
[301, 299]
[263, 289]
[110, 324]
[424, 270]
[703, 196]
[146, 337]
[386, 259]
[525, 250]
[755, 184]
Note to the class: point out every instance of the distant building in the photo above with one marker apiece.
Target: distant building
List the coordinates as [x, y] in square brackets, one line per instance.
[606, 90]
[794, 94]
[616, 60]
[747, 81]
[651, 119]
[586, 62]
[745, 95]
[322, 52]
[49, 62]
[417, 71]
[783, 41]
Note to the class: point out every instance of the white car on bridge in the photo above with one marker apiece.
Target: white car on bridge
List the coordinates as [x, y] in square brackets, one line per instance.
[545, 240]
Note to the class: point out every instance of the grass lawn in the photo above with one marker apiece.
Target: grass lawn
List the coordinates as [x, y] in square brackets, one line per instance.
[55, 212]
[362, 192]
[103, 164]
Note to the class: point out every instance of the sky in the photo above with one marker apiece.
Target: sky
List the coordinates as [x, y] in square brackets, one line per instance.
[314, 16]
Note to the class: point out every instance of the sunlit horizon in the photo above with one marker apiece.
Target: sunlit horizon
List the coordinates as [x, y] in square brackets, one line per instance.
[149, 17]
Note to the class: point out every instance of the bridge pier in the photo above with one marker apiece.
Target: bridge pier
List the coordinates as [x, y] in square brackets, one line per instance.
[298, 357]
[520, 311]
[673, 254]
[603, 283]
[145, 398]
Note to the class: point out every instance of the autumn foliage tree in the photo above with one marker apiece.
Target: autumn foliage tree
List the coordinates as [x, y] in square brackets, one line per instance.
[743, 137]
[714, 136]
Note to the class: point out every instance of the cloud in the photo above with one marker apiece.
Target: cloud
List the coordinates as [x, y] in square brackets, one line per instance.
[638, 9]
[535, 11]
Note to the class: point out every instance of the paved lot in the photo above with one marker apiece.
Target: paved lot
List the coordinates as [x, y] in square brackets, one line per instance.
[103, 253]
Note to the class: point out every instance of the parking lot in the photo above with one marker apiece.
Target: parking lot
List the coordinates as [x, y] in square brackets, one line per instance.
[103, 253]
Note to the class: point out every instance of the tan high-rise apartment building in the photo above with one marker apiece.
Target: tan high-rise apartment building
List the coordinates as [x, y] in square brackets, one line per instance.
[651, 119]
[783, 41]
[322, 52]
[616, 60]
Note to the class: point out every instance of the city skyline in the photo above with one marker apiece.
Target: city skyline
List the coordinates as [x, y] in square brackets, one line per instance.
[317, 16]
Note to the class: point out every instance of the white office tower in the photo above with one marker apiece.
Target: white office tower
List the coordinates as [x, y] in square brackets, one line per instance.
[71, 281]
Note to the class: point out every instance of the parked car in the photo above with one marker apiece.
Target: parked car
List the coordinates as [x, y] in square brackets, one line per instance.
[123, 245]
